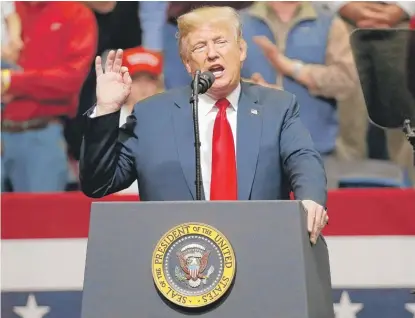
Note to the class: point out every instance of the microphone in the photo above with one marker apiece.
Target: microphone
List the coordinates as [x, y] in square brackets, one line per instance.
[388, 82]
[205, 81]
[200, 85]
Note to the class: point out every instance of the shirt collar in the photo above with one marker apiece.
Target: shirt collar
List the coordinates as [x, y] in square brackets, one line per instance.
[209, 102]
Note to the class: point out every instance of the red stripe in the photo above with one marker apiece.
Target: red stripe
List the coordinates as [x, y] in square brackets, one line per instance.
[66, 215]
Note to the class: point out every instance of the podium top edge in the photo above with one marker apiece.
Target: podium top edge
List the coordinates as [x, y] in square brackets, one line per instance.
[193, 202]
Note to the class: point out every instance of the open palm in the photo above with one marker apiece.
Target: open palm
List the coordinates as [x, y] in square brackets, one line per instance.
[113, 83]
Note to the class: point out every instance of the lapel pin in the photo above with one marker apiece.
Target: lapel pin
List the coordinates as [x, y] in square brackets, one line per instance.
[254, 112]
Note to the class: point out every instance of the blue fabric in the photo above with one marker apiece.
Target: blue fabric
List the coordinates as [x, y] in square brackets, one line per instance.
[175, 74]
[307, 42]
[152, 16]
[156, 147]
[35, 160]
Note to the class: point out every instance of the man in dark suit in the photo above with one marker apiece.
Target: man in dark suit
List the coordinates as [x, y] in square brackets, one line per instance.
[274, 152]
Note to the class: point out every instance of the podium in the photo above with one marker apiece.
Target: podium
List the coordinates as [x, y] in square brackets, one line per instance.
[272, 269]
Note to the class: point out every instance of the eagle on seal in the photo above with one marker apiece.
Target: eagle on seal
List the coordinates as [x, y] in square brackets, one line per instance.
[192, 266]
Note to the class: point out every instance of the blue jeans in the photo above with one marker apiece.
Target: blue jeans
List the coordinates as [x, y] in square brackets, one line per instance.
[35, 160]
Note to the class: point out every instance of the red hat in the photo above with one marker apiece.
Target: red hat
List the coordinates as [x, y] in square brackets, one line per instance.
[412, 25]
[139, 59]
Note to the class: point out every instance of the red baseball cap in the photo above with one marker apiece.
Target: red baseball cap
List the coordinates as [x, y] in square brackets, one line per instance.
[139, 60]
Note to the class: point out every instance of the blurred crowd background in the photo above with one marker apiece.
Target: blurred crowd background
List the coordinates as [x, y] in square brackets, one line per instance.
[48, 77]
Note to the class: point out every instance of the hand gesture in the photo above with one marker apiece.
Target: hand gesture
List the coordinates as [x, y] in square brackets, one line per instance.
[113, 85]
[258, 79]
[366, 15]
[317, 219]
[278, 60]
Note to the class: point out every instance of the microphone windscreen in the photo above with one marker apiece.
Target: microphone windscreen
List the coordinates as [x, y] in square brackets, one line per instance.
[209, 77]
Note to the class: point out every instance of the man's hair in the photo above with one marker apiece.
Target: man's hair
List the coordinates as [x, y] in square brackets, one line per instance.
[190, 21]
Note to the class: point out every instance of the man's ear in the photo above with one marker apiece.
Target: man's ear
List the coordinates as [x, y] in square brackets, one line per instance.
[243, 47]
[183, 55]
[187, 65]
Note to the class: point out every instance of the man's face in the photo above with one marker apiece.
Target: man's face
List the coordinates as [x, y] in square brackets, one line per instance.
[215, 48]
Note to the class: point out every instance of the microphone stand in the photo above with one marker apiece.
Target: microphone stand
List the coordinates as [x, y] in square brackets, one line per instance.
[410, 135]
[194, 100]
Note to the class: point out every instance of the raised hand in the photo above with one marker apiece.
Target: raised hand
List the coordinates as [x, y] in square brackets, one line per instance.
[113, 83]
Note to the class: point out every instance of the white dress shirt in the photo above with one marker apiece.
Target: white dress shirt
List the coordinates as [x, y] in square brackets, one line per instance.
[207, 116]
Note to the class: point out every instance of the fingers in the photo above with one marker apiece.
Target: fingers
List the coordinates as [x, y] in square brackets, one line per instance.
[380, 16]
[98, 66]
[317, 219]
[116, 67]
[266, 44]
[112, 64]
[258, 79]
[269, 49]
[127, 80]
[314, 225]
[372, 24]
[311, 217]
[324, 219]
[110, 61]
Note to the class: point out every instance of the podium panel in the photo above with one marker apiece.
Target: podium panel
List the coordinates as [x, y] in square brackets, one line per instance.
[279, 274]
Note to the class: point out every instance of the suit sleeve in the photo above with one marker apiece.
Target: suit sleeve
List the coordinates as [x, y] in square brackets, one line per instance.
[107, 163]
[302, 164]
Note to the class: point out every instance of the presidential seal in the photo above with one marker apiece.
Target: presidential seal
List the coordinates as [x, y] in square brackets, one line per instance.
[193, 265]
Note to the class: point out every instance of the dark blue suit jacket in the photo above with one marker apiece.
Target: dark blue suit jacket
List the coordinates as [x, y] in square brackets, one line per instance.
[275, 153]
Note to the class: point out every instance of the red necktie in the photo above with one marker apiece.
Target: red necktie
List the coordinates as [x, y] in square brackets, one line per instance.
[223, 182]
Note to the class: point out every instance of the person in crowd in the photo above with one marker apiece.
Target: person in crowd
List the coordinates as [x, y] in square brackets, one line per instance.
[159, 25]
[306, 52]
[156, 145]
[145, 68]
[118, 27]
[11, 35]
[59, 43]
[354, 123]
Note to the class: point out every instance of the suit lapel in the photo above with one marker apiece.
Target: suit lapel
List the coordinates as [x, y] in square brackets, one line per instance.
[184, 136]
[249, 128]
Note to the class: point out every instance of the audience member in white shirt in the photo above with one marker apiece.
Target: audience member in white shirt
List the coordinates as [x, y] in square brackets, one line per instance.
[11, 29]
[145, 68]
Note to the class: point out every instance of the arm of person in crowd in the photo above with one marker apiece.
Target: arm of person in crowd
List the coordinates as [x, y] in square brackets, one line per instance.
[304, 167]
[14, 28]
[153, 15]
[63, 81]
[336, 79]
[407, 6]
[372, 14]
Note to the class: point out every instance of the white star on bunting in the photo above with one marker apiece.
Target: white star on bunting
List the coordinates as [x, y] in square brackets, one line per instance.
[411, 308]
[345, 308]
[31, 310]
